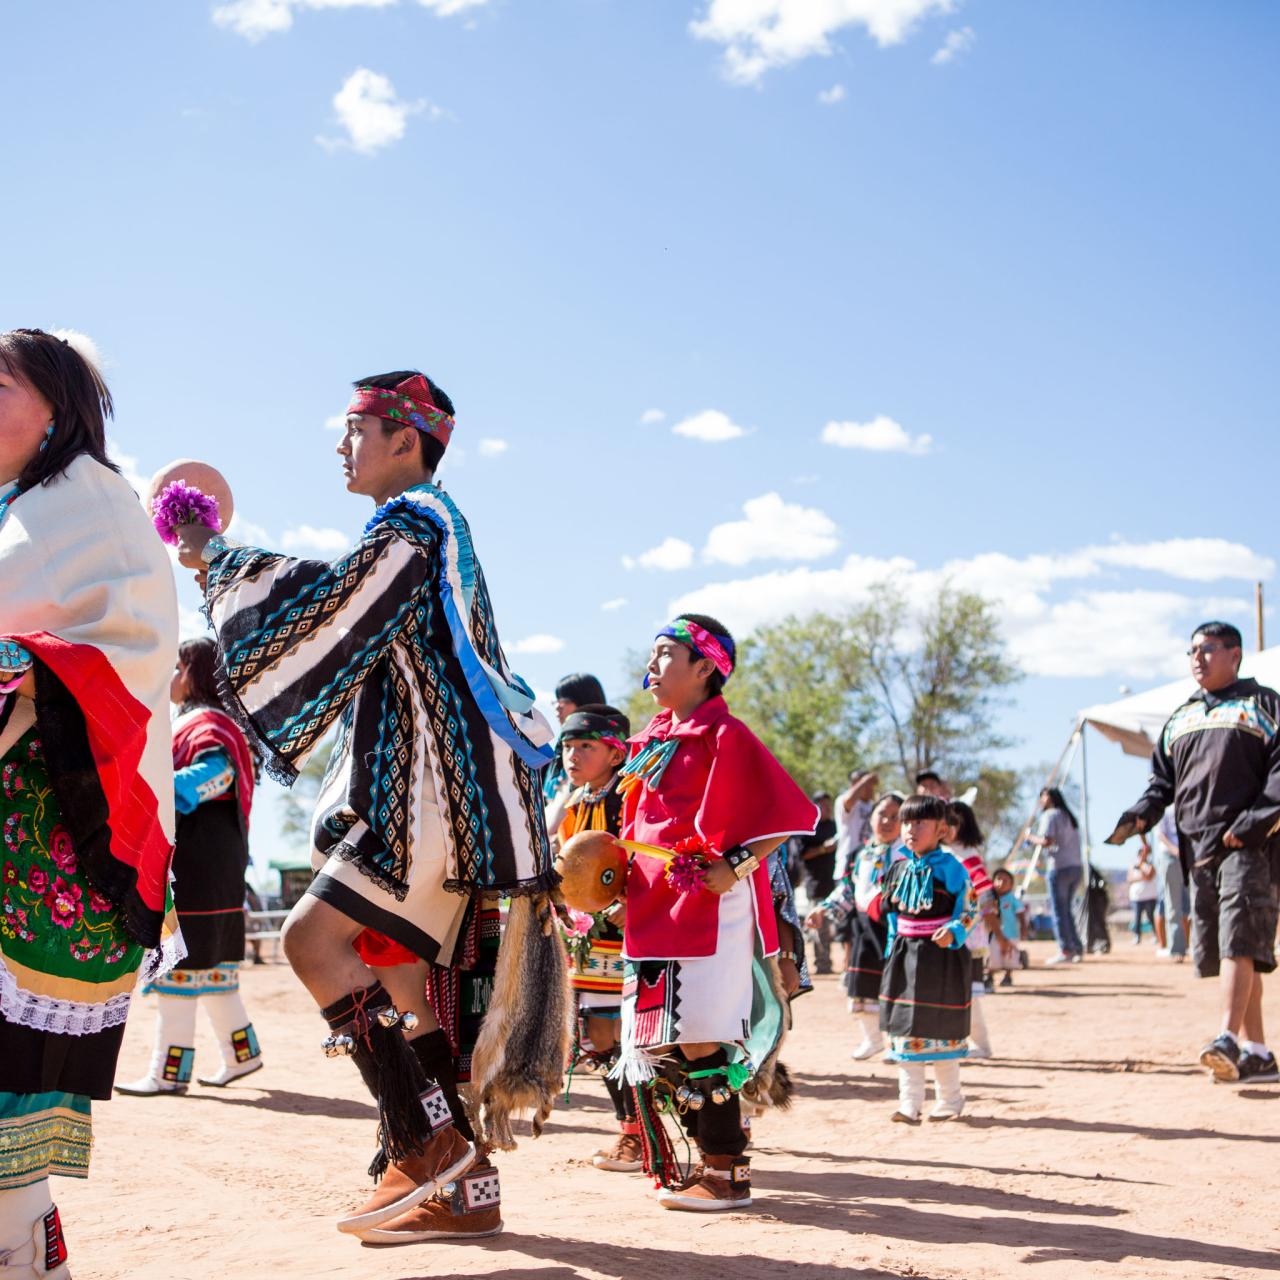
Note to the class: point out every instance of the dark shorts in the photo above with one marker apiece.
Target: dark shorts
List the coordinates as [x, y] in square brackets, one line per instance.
[1233, 910]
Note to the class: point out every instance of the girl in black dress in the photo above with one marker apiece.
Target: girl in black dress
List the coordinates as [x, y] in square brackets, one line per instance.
[213, 785]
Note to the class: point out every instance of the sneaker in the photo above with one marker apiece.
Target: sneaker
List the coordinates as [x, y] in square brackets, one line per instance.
[989, 983]
[1253, 1068]
[148, 1087]
[1222, 1058]
[723, 1183]
[468, 1208]
[407, 1183]
[1163, 952]
[1007, 980]
[228, 1074]
[868, 1048]
[1077, 958]
[1060, 958]
[977, 1050]
[625, 1156]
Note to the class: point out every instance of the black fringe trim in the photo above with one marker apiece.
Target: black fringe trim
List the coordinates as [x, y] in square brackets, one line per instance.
[276, 766]
[64, 737]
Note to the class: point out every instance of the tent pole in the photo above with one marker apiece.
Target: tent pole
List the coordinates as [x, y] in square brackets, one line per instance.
[1084, 801]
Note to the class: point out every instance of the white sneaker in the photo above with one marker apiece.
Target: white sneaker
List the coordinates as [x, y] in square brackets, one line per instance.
[227, 1074]
[148, 1087]
[1163, 952]
[868, 1048]
[979, 1050]
[1060, 958]
[1077, 959]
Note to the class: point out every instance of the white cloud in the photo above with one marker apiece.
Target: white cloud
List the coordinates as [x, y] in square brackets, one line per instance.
[880, 435]
[491, 448]
[128, 465]
[1058, 616]
[670, 554]
[535, 644]
[447, 8]
[773, 530]
[328, 543]
[651, 416]
[256, 19]
[611, 606]
[956, 45]
[191, 622]
[1196, 559]
[829, 97]
[252, 535]
[711, 426]
[760, 34]
[372, 114]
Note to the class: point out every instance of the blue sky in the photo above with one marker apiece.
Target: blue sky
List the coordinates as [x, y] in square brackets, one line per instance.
[981, 291]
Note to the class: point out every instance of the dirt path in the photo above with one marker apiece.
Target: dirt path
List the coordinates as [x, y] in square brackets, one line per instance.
[1092, 1149]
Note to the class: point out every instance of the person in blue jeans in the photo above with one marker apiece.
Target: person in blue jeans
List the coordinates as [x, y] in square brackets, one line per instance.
[1058, 834]
[1174, 897]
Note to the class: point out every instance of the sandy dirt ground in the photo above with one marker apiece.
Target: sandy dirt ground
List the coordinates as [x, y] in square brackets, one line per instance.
[1091, 1147]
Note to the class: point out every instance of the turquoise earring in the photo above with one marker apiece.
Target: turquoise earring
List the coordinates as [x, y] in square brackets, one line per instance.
[48, 435]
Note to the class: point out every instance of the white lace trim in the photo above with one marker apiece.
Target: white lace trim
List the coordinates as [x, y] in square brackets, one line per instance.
[59, 1017]
[73, 1017]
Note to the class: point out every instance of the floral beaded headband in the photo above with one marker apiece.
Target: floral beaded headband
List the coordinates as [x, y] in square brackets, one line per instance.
[410, 403]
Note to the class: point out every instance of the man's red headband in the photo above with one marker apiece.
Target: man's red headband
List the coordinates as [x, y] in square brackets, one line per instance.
[410, 403]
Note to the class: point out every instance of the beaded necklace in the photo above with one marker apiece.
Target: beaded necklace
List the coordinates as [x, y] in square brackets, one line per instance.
[6, 500]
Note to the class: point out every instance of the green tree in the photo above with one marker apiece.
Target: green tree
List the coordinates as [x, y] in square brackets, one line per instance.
[935, 681]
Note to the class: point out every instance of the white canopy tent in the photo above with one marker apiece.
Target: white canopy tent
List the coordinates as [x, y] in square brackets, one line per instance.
[1135, 722]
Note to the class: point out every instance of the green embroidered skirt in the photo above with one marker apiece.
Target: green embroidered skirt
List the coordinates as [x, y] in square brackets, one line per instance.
[43, 1133]
[67, 971]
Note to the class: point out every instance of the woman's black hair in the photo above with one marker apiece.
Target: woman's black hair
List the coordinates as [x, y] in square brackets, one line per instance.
[432, 446]
[1057, 802]
[888, 795]
[923, 808]
[75, 392]
[200, 658]
[715, 681]
[581, 689]
[968, 833]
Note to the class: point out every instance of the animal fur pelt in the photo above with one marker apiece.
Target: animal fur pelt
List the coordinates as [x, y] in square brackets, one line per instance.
[519, 1058]
[771, 1086]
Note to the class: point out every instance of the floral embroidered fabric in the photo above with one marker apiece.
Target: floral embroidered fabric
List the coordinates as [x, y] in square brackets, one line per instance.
[66, 960]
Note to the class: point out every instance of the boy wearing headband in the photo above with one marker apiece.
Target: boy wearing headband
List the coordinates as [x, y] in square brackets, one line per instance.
[699, 782]
[593, 745]
[430, 807]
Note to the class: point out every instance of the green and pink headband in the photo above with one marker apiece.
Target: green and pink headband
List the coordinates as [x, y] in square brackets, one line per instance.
[410, 403]
[704, 644]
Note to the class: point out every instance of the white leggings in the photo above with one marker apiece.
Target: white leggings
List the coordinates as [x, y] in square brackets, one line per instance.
[175, 1043]
[946, 1083]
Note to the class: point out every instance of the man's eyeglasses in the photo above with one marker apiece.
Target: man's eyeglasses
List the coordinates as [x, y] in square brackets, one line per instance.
[1204, 650]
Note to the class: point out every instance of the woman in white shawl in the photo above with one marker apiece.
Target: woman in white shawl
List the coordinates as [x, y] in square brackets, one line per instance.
[88, 637]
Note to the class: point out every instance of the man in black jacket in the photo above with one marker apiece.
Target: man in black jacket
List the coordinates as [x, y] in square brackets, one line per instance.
[1218, 763]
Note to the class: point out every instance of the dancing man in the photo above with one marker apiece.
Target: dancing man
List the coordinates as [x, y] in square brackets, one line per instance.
[432, 801]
